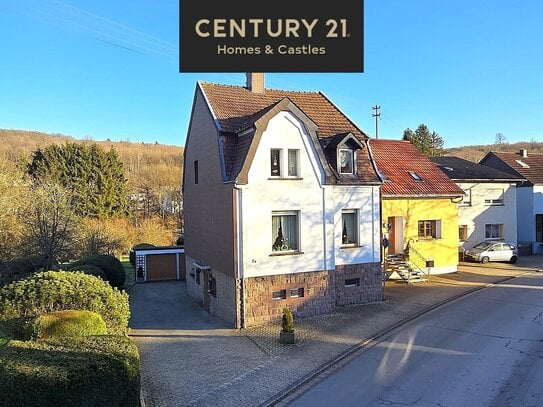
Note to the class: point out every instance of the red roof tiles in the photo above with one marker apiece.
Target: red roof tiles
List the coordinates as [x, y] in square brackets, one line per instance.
[534, 173]
[395, 160]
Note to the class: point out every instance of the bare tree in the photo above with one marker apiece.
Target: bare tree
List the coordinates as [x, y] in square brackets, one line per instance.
[500, 139]
[51, 223]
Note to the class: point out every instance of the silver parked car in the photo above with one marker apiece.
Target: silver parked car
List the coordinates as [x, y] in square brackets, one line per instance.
[493, 251]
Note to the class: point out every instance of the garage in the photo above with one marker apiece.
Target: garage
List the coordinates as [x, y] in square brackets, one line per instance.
[160, 264]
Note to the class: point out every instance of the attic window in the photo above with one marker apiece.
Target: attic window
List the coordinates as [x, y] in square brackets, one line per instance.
[522, 164]
[346, 161]
[447, 168]
[415, 176]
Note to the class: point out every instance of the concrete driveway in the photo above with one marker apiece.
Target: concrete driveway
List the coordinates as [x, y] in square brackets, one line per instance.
[183, 348]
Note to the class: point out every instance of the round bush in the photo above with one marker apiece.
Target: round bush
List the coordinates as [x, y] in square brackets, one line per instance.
[65, 290]
[132, 254]
[112, 267]
[66, 323]
[90, 270]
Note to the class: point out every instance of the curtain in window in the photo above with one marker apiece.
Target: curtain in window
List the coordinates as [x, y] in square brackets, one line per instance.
[348, 234]
[346, 161]
[292, 163]
[284, 232]
[493, 231]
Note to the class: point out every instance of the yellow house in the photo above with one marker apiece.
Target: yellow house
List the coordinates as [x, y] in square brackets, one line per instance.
[419, 208]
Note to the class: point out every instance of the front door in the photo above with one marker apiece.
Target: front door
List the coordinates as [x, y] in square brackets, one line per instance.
[395, 235]
[205, 285]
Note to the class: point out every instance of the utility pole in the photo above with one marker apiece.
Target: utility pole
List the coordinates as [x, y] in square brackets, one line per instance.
[377, 115]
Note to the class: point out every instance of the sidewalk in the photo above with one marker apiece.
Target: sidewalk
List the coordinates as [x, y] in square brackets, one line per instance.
[274, 368]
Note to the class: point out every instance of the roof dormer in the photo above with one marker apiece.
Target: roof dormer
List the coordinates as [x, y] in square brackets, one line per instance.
[344, 147]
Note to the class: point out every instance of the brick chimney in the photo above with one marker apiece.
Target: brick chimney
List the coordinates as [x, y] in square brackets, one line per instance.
[523, 153]
[255, 82]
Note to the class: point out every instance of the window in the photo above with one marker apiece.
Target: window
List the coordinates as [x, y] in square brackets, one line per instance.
[346, 161]
[539, 228]
[296, 292]
[494, 231]
[352, 282]
[293, 163]
[275, 161]
[415, 176]
[285, 231]
[466, 199]
[463, 233]
[279, 295]
[196, 172]
[429, 229]
[213, 286]
[349, 225]
[494, 197]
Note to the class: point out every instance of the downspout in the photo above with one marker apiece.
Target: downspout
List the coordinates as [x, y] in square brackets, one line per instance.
[324, 251]
[239, 246]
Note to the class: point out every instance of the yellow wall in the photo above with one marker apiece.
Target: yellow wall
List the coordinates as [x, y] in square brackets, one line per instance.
[443, 250]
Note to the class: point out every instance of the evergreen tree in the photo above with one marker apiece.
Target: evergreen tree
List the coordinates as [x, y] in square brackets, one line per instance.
[94, 177]
[429, 143]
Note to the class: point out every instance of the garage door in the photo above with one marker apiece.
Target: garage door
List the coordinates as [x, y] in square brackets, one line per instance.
[161, 267]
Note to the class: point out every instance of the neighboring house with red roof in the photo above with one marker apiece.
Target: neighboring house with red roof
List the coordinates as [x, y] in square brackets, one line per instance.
[419, 207]
[529, 194]
[488, 210]
[281, 204]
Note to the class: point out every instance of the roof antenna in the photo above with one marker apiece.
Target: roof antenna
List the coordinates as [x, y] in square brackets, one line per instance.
[377, 115]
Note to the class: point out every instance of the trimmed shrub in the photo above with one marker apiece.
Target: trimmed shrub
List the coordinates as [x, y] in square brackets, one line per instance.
[132, 254]
[112, 267]
[66, 323]
[287, 323]
[78, 371]
[90, 270]
[65, 290]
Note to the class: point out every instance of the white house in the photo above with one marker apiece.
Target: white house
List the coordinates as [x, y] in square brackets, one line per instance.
[529, 194]
[281, 203]
[488, 210]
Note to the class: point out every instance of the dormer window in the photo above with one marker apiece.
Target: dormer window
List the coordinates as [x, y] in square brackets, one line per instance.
[346, 161]
[415, 176]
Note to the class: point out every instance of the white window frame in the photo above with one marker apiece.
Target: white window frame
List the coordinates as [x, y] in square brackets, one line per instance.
[298, 243]
[353, 160]
[466, 199]
[297, 155]
[501, 231]
[357, 227]
[489, 201]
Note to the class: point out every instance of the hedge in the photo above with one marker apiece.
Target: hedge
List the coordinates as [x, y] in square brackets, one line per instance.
[69, 323]
[91, 270]
[63, 290]
[83, 371]
[112, 267]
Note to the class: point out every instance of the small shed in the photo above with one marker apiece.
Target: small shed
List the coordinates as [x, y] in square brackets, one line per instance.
[160, 263]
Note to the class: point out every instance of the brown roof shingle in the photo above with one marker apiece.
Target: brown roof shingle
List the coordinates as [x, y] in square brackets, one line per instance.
[396, 158]
[236, 108]
[534, 173]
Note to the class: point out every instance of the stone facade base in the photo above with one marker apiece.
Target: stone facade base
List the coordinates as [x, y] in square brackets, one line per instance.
[311, 293]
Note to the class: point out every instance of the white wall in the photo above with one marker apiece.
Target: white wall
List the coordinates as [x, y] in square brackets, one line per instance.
[479, 214]
[315, 202]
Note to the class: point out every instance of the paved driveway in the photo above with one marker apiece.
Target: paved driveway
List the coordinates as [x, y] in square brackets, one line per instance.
[182, 347]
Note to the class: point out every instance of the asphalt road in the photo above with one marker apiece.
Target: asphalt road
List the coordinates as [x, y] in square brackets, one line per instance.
[485, 349]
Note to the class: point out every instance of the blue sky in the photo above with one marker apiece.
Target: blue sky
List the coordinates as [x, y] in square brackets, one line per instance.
[109, 69]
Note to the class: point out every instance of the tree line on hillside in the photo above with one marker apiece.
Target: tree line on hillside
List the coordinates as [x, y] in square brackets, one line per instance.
[70, 201]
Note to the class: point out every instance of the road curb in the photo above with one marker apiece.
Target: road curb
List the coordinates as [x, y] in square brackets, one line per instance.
[274, 400]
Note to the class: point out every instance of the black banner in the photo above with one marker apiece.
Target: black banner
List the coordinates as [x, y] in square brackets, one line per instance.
[273, 36]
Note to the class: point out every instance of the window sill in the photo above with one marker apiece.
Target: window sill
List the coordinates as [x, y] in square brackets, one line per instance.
[427, 239]
[352, 246]
[286, 253]
[496, 204]
[285, 178]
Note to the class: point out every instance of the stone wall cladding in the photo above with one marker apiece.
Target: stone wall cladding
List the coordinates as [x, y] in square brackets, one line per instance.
[261, 308]
[370, 288]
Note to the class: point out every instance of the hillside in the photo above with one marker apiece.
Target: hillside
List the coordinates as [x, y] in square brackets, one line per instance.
[155, 163]
[475, 153]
